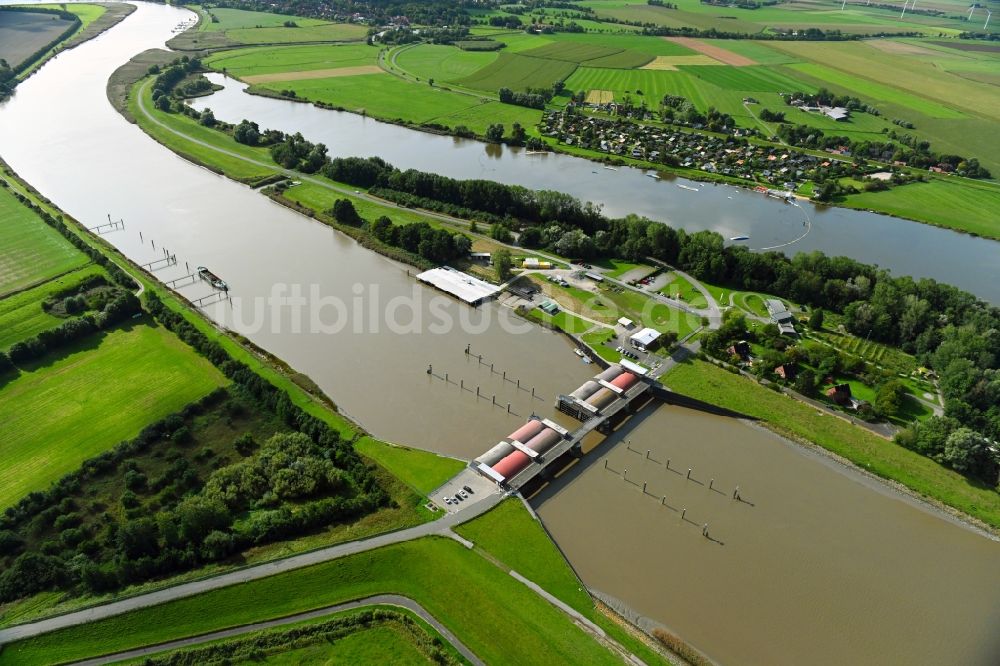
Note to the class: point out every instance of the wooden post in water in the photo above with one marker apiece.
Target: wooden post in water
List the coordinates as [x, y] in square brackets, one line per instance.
[647, 454]
[736, 493]
[508, 408]
[663, 501]
[625, 475]
[689, 473]
[446, 378]
[467, 347]
[683, 513]
[710, 482]
[643, 487]
[668, 463]
[605, 463]
[430, 369]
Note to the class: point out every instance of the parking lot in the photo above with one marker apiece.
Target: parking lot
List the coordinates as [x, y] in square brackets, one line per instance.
[468, 480]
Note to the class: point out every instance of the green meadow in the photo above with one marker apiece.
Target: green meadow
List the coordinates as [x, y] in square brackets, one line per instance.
[236, 19]
[957, 203]
[500, 620]
[332, 32]
[273, 60]
[517, 72]
[74, 404]
[441, 62]
[21, 314]
[32, 251]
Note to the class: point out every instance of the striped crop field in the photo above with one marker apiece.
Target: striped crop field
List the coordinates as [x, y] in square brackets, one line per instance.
[571, 52]
[32, 251]
[878, 91]
[518, 72]
[756, 79]
[627, 59]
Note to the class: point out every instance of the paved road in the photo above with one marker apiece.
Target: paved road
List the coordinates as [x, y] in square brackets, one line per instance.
[441, 527]
[380, 599]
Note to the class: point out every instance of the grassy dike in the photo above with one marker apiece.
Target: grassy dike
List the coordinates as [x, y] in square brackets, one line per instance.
[871, 453]
[471, 592]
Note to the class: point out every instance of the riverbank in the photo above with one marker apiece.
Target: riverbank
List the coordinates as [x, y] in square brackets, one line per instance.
[892, 464]
[953, 210]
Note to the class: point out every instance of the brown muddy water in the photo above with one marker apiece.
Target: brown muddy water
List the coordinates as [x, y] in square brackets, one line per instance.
[825, 567]
[818, 564]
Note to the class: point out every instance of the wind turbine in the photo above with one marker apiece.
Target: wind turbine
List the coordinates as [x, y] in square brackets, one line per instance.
[971, 9]
[904, 8]
[988, 15]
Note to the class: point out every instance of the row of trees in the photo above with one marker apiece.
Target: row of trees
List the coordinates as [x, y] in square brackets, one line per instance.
[435, 245]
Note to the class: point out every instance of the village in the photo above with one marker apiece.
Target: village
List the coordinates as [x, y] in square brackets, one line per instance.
[732, 156]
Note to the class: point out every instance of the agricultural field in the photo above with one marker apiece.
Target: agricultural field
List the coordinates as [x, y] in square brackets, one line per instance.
[32, 251]
[443, 63]
[21, 314]
[517, 72]
[81, 401]
[749, 79]
[23, 33]
[963, 204]
[382, 96]
[329, 32]
[276, 60]
[239, 19]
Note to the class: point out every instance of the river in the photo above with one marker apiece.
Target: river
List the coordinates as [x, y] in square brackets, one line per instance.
[904, 247]
[825, 567]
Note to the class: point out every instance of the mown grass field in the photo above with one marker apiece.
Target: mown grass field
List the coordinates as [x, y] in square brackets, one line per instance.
[679, 287]
[421, 470]
[705, 381]
[497, 618]
[963, 204]
[31, 251]
[443, 63]
[380, 95]
[513, 537]
[278, 59]
[21, 314]
[517, 72]
[78, 403]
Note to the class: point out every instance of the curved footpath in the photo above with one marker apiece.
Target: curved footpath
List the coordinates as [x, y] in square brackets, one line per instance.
[440, 527]
[377, 600]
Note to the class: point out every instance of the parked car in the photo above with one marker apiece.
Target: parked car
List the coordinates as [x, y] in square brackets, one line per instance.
[467, 489]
